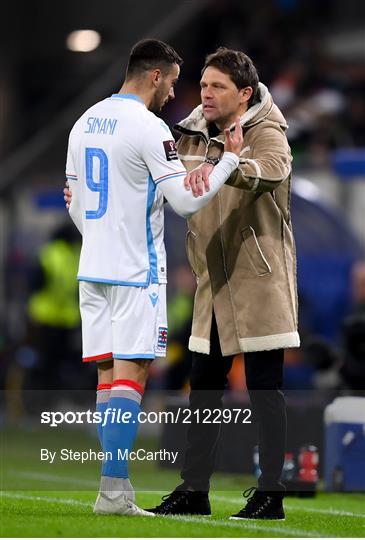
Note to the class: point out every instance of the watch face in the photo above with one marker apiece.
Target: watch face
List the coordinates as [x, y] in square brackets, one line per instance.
[212, 161]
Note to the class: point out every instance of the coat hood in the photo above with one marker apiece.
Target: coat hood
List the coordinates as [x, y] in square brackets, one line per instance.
[265, 109]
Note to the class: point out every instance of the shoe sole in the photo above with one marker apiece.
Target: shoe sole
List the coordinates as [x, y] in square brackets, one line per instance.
[112, 512]
[256, 519]
[107, 513]
[185, 514]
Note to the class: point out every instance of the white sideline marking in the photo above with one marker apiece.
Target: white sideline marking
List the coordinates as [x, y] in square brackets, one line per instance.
[187, 519]
[46, 499]
[238, 500]
[245, 524]
[55, 478]
[329, 511]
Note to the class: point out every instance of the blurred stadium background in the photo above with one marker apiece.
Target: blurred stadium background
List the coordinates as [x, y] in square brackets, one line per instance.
[311, 56]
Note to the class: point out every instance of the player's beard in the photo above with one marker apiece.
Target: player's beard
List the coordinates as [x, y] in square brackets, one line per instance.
[158, 100]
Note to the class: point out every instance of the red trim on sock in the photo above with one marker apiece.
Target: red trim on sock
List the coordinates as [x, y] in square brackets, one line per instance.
[128, 382]
[98, 357]
[103, 387]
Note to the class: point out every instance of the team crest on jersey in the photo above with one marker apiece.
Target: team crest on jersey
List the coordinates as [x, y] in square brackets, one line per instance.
[170, 150]
[162, 337]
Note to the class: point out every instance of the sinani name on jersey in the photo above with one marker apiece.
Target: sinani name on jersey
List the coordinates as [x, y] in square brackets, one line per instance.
[118, 153]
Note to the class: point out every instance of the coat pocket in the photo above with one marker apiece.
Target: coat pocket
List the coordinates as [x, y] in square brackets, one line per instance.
[254, 252]
[190, 251]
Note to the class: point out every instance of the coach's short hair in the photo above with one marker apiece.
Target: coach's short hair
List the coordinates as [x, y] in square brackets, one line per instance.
[149, 54]
[238, 66]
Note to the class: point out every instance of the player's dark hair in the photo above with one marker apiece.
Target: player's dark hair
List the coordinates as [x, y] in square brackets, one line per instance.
[149, 54]
[239, 67]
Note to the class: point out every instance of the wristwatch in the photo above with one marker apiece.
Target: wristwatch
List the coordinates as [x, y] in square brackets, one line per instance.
[212, 161]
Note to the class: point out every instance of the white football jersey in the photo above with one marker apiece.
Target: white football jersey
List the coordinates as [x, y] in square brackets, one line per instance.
[118, 153]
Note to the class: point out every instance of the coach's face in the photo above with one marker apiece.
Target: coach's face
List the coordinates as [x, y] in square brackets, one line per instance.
[165, 88]
[222, 101]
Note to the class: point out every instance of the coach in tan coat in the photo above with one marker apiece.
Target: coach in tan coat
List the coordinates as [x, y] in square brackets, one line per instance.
[241, 249]
[240, 246]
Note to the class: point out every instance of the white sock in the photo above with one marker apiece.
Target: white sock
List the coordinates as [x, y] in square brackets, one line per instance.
[113, 487]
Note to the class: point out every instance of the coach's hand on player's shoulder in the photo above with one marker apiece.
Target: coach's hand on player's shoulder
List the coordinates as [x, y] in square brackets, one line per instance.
[198, 179]
[67, 195]
[234, 140]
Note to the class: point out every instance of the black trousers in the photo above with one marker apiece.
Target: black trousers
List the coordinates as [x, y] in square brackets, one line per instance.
[264, 377]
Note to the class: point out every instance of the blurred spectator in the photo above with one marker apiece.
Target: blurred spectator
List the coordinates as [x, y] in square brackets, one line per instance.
[358, 287]
[353, 368]
[54, 318]
[325, 362]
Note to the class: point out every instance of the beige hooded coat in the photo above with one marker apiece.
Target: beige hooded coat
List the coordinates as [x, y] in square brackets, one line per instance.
[241, 246]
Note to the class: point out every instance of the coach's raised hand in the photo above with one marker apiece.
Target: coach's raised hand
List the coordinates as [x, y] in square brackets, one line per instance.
[198, 179]
[234, 141]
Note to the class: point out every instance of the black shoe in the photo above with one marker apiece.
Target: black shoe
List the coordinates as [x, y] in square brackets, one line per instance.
[262, 505]
[184, 502]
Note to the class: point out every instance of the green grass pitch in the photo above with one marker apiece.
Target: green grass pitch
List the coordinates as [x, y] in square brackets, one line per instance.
[43, 500]
[69, 514]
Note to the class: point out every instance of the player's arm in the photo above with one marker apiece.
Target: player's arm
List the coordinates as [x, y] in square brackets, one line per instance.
[184, 202]
[74, 187]
[168, 172]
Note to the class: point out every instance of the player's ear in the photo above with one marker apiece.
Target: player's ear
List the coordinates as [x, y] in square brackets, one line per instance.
[156, 76]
